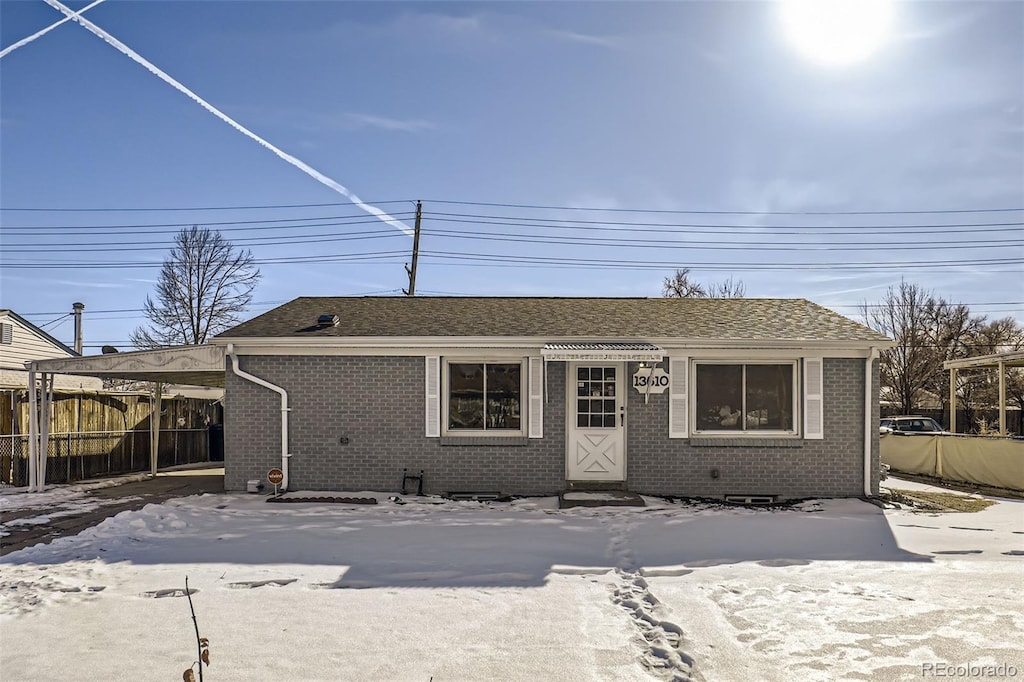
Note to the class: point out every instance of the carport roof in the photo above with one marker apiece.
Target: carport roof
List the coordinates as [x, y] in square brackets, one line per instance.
[192, 365]
[1014, 358]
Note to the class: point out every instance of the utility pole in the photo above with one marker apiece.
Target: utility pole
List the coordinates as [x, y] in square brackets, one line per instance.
[411, 291]
[77, 309]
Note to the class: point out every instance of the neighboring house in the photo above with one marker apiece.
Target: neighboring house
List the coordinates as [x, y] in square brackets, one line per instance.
[773, 398]
[891, 403]
[21, 342]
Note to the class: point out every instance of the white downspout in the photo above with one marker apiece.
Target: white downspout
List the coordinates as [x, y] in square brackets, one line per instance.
[869, 410]
[284, 409]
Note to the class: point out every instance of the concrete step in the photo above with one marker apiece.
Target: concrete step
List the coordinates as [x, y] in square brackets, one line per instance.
[595, 485]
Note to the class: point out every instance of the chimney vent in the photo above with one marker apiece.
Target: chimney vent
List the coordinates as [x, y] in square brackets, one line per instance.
[328, 320]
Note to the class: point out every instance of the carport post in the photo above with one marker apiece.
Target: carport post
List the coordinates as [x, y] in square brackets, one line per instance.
[1002, 398]
[33, 429]
[46, 399]
[952, 399]
[154, 427]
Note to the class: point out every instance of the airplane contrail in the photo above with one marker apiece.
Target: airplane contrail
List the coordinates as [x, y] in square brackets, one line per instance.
[159, 73]
[25, 41]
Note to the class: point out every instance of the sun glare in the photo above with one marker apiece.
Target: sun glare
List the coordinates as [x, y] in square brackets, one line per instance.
[837, 32]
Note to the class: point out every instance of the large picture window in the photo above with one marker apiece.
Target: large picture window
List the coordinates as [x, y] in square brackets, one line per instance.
[745, 397]
[485, 396]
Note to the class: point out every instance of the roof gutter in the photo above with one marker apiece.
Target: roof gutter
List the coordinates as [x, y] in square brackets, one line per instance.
[285, 455]
[870, 428]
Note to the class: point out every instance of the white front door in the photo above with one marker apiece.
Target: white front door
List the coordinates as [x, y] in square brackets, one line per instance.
[596, 429]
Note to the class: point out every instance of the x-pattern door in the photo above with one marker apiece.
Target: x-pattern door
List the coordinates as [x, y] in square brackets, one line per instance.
[596, 423]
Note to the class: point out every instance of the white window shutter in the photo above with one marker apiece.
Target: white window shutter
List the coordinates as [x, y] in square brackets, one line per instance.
[536, 391]
[814, 403]
[678, 409]
[433, 396]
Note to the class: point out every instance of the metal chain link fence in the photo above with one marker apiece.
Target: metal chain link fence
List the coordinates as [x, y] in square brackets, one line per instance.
[79, 456]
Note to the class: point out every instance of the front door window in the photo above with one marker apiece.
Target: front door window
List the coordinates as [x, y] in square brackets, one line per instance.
[595, 397]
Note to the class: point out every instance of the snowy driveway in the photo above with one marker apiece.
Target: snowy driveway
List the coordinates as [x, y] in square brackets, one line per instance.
[27, 518]
[521, 591]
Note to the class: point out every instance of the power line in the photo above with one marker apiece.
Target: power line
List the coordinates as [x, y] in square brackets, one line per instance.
[515, 221]
[547, 261]
[79, 265]
[141, 227]
[166, 209]
[62, 317]
[100, 209]
[725, 246]
[619, 263]
[717, 245]
[546, 238]
[525, 221]
[139, 310]
[700, 212]
[251, 241]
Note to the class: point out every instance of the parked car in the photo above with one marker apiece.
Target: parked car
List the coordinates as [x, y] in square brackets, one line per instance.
[909, 424]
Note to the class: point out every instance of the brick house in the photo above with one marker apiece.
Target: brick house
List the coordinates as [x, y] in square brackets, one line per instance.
[773, 398]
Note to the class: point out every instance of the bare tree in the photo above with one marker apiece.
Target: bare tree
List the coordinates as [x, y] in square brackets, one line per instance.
[681, 286]
[909, 367]
[927, 331]
[980, 387]
[204, 286]
[730, 288]
[950, 330]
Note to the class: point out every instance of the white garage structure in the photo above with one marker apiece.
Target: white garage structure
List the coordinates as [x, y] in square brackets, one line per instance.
[1000, 361]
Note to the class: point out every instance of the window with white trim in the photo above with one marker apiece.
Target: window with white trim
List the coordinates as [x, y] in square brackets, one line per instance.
[745, 397]
[484, 397]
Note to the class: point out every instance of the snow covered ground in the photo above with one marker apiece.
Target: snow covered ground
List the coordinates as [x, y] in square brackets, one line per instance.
[441, 590]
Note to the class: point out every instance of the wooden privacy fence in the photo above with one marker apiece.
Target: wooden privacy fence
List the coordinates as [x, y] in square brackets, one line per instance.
[984, 460]
[109, 411]
[79, 456]
[100, 434]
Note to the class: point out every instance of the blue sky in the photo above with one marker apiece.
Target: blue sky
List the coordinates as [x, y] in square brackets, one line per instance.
[666, 107]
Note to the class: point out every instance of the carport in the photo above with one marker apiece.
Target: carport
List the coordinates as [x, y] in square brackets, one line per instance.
[191, 365]
[1000, 361]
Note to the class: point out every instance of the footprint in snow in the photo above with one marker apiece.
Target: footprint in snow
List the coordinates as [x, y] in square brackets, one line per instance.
[171, 592]
[250, 584]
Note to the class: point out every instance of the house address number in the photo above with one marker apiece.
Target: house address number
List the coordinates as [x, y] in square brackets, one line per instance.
[650, 380]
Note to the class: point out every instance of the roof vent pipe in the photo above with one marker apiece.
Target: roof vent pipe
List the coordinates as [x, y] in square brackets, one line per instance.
[285, 455]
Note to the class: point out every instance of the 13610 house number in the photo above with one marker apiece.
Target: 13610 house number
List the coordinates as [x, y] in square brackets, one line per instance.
[647, 380]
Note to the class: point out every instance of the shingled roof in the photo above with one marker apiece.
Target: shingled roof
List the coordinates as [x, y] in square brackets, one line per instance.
[579, 318]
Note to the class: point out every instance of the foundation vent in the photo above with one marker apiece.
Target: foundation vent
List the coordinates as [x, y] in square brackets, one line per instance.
[750, 499]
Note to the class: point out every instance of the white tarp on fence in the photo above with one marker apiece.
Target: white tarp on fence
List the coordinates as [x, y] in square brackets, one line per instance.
[988, 461]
